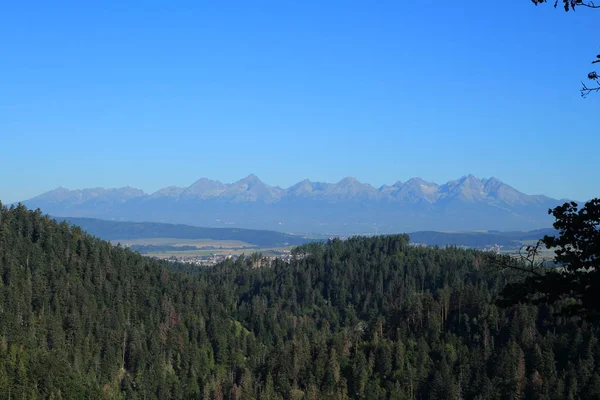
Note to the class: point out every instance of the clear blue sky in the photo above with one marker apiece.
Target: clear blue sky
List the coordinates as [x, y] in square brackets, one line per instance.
[151, 94]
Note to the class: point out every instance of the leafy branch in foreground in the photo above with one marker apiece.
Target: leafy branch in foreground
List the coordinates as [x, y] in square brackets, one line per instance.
[593, 76]
[571, 5]
[575, 281]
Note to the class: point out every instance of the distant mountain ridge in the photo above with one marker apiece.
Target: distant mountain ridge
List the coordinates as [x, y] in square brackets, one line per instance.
[123, 230]
[345, 207]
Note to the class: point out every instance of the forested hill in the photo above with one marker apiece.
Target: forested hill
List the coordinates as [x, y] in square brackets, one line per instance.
[366, 318]
[80, 318]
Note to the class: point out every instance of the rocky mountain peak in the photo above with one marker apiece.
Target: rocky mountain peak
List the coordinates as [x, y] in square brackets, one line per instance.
[250, 180]
[349, 181]
[204, 188]
[169, 191]
[301, 188]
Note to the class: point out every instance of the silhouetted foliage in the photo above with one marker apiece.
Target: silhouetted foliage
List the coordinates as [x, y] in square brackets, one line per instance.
[572, 5]
[575, 282]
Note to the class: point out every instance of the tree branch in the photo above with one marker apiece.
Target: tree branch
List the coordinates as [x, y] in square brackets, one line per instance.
[589, 5]
[569, 4]
[585, 90]
[525, 260]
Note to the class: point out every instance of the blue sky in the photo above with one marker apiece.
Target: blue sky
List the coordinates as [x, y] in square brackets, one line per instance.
[152, 94]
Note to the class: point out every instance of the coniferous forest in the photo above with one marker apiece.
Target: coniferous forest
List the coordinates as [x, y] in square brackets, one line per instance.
[364, 318]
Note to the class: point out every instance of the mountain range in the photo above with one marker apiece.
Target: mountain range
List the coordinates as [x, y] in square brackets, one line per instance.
[345, 207]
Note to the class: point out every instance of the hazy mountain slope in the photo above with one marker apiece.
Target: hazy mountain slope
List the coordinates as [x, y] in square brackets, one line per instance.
[345, 207]
[114, 230]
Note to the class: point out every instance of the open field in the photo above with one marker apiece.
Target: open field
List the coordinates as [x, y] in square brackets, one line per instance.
[224, 252]
[193, 248]
[226, 244]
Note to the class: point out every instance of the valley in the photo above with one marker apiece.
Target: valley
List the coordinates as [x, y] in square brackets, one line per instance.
[201, 245]
[298, 200]
[200, 252]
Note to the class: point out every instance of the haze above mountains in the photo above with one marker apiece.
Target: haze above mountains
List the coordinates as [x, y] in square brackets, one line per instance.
[345, 207]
